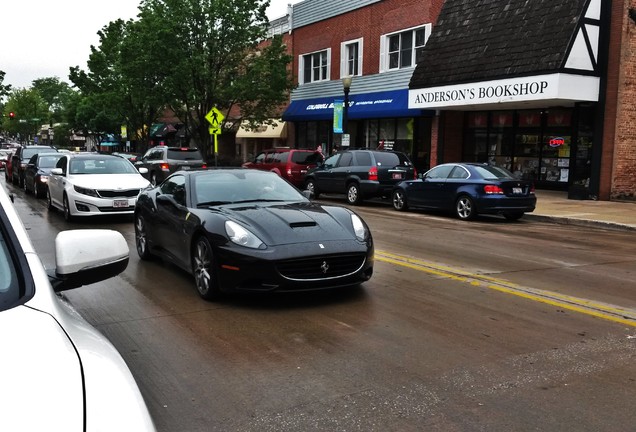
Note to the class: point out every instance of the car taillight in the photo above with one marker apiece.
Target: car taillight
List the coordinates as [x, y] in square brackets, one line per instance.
[165, 167]
[204, 166]
[414, 174]
[532, 189]
[373, 173]
[493, 189]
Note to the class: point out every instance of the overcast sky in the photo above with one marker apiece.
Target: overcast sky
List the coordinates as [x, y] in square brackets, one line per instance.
[43, 38]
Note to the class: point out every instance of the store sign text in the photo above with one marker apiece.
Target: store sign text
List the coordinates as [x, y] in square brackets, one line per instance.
[469, 94]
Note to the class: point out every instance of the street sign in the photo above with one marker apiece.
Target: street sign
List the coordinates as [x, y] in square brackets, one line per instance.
[215, 118]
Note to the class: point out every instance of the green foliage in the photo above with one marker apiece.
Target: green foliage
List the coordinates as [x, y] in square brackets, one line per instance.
[4, 89]
[30, 109]
[211, 58]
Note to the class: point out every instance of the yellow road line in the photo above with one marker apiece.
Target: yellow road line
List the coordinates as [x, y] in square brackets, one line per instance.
[576, 304]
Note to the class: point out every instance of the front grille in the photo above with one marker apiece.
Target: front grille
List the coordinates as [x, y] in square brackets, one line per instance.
[321, 267]
[129, 193]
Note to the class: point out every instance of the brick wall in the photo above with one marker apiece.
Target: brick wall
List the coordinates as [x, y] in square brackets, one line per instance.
[369, 23]
[623, 175]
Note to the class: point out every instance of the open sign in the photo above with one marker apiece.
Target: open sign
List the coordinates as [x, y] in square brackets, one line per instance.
[556, 142]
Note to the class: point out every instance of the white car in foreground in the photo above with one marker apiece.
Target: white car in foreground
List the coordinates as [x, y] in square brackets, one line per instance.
[57, 372]
[90, 184]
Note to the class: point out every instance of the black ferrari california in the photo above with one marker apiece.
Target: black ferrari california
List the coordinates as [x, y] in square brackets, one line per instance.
[249, 230]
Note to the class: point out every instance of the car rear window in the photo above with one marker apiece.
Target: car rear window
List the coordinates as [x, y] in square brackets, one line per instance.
[493, 172]
[305, 158]
[184, 154]
[391, 159]
[27, 153]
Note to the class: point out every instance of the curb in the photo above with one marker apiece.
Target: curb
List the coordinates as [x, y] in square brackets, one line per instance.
[580, 222]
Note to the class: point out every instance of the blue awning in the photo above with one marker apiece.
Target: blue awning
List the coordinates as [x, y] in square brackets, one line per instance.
[385, 104]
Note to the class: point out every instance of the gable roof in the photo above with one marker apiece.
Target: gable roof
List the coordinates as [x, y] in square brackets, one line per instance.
[478, 40]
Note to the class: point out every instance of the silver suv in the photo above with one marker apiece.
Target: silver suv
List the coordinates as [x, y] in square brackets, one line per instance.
[162, 161]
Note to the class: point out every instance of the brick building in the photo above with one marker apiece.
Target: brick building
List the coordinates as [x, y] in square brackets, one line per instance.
[544, 88]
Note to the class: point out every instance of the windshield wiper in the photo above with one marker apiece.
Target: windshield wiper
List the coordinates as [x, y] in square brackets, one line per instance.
[212, 203]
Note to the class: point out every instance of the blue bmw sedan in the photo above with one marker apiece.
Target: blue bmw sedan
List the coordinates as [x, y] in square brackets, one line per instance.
[467, 189]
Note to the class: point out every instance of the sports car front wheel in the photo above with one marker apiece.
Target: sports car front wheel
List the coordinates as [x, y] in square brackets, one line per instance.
[141, 238]
[203, 269]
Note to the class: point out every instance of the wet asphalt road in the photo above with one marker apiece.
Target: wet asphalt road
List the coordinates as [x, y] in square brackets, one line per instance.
[483, 326]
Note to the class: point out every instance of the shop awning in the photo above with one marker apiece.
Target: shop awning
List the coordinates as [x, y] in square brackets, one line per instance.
[265, 131]
[538, 52]
[368, 105]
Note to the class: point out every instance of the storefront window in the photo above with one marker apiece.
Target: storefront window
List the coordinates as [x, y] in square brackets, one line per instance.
[501, 139]
[533, 144]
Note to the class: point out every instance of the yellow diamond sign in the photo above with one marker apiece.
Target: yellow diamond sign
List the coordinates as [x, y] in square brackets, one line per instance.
[215, 118]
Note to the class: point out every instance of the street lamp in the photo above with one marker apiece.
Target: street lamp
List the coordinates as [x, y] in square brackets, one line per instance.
[346, 84]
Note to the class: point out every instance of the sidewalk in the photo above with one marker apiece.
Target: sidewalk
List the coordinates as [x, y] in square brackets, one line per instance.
[554, 206]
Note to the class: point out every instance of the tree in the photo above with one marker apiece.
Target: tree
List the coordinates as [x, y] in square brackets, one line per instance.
[4, 89]
[56, 94]
[211, 58]
[121, 86]
[29, 108]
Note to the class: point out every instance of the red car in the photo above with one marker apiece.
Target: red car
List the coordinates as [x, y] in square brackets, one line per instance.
[5, 162]
[290, 164]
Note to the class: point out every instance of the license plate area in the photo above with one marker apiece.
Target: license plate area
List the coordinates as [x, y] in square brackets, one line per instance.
[120, 204]
[517, 190]
[397, 176]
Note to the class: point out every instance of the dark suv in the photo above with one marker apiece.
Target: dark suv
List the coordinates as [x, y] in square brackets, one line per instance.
[162, 161]
[20, 159]
[360, 174]
[290, 164]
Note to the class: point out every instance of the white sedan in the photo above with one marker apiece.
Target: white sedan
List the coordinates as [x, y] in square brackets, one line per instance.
[90, 184]
[58, 372]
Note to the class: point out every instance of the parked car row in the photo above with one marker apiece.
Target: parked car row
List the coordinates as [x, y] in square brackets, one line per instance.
[465, 189]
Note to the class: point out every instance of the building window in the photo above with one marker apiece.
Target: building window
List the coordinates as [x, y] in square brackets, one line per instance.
[351, 58]
[315, 66]
[403, 49]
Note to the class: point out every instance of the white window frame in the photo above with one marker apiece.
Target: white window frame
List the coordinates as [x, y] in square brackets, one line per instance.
[301, 66]
[344, 60]
[384, 46]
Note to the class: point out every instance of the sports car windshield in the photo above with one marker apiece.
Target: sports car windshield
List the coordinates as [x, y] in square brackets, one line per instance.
[242, 186]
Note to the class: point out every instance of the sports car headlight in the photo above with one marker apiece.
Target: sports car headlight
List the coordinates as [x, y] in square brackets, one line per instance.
[85, 191]
[241, 236]
[359, 228]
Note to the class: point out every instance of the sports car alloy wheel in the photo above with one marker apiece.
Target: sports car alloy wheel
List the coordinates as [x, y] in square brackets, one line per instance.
[465, 208]
[399, 200]
[141, 239]
[203, 269]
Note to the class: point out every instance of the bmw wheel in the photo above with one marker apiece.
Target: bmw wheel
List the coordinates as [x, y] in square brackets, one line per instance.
[203, 269]
[465, 208]
[399, 200]
[141, 238]
[353, 194]
[311, 187]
